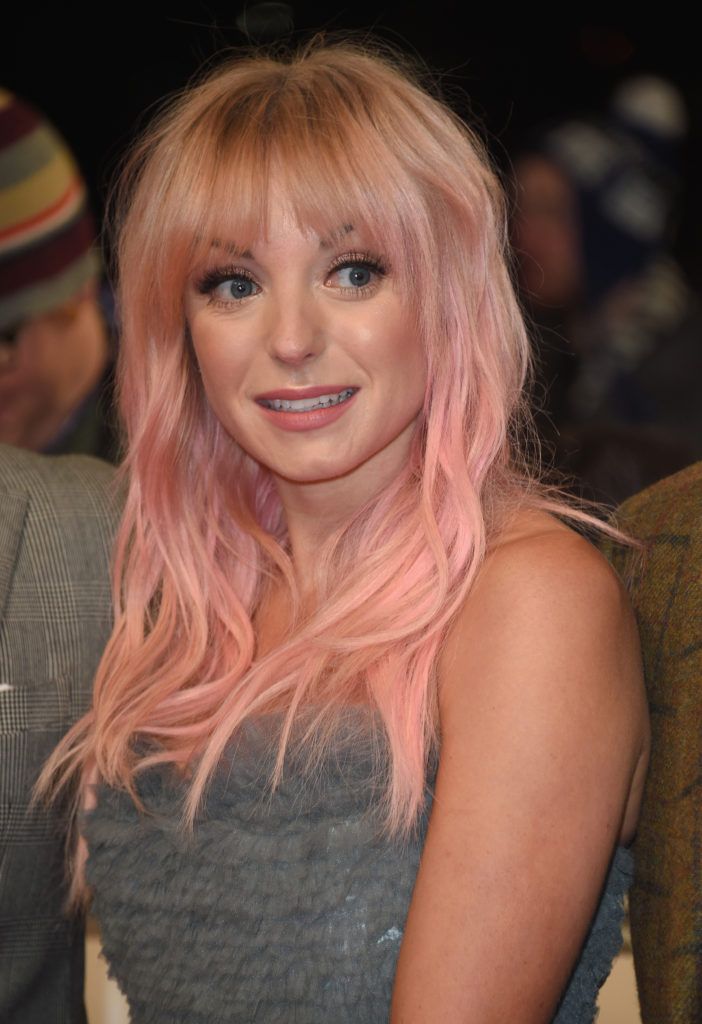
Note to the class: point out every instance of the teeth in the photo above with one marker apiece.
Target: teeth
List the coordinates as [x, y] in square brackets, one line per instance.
[307, 404]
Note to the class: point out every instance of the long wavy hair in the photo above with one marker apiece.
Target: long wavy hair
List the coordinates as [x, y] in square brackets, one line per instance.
[353, 137]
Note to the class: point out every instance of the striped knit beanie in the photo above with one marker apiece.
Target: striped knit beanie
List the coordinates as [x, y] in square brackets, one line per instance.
[47, 233]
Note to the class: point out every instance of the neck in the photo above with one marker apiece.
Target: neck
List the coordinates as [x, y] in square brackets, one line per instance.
[315, 510]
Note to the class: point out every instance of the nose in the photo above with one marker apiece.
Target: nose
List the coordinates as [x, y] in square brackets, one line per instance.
[295, 331]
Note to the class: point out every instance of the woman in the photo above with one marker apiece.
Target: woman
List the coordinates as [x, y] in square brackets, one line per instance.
[335, 576]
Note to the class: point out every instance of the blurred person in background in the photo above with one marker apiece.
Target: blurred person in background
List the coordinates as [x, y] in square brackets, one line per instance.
[619, 330]
[55, 346]
[665, 586]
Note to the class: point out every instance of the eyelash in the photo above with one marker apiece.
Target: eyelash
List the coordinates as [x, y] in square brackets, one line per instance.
[360, 259]
[218, 275]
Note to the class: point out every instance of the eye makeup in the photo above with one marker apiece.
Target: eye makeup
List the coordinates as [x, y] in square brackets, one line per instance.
[213, 278]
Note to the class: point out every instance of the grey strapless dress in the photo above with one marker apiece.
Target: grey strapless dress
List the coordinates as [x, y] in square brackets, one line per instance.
[287, 908]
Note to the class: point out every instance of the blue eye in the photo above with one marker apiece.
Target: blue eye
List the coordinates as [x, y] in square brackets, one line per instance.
[227, 285]
[236, 287]
[358, 272]
[357, 276]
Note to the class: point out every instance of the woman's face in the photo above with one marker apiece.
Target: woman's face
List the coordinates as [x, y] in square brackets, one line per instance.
[296, 314]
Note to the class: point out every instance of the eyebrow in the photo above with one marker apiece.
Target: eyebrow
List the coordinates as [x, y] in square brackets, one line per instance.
[324, 243]
[329, 240]
[231, 248]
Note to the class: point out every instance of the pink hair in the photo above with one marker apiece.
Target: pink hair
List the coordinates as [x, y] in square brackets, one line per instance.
[352, 139]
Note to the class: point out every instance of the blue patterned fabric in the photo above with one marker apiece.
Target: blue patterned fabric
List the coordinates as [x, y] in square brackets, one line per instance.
[283, 908]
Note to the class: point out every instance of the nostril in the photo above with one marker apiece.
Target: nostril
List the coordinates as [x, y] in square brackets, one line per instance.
[292, 355]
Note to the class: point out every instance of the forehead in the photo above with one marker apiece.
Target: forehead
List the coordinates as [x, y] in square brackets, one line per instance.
[243, 198]
[279, 233]
[249, 192]
[241, 225]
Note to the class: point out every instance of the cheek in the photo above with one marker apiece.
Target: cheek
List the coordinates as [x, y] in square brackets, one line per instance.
[389, 339]
[403, 361]
[220, 362]
[221, 374]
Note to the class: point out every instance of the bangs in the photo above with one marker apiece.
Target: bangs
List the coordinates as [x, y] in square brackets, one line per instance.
[344, 143]
[323, 155]
[326, 195]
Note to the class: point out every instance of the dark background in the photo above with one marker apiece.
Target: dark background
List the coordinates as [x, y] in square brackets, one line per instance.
[97, 71]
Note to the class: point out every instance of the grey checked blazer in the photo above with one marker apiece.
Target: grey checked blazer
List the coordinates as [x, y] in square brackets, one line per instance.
[57, 519]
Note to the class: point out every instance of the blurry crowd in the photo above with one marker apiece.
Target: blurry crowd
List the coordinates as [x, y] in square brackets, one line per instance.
[617, 328]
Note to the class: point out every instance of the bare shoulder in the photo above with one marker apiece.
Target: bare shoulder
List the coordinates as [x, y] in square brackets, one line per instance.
[543, 576]
[543, 750]
[539, 549]
[547, 625]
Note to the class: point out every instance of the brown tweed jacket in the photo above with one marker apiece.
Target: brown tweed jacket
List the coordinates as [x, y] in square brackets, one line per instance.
[666, 898]
[56, 526]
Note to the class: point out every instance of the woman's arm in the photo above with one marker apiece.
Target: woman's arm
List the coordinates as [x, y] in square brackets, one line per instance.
[544, 726]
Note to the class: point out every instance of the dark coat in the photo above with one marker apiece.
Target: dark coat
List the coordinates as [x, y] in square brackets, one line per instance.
[666, 897]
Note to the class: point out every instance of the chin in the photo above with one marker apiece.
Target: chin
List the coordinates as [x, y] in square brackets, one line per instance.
[313, 474]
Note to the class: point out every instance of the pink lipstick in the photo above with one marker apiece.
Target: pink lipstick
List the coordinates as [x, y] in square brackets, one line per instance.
[306, 408]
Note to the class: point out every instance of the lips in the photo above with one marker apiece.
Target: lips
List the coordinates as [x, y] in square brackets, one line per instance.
[303, 405]
[311, 413]
[291, 394]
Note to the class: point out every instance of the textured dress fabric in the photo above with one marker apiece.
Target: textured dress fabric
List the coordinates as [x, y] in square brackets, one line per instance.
[284, 907]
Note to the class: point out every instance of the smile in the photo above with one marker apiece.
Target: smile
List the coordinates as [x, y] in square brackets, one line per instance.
[307, 404]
